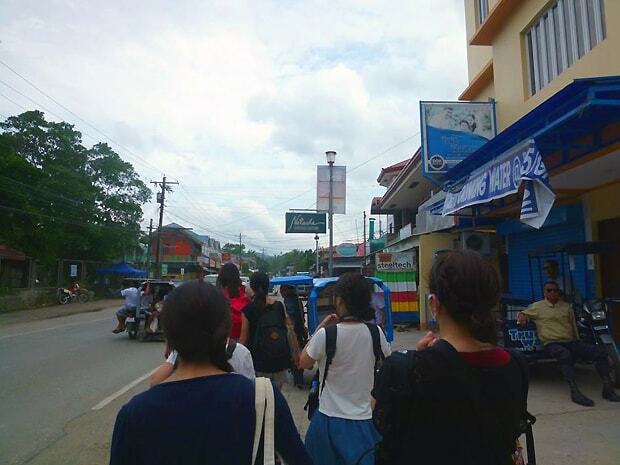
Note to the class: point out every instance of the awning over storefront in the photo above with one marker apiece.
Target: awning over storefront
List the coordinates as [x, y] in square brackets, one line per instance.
[581, 119]
[503, 176]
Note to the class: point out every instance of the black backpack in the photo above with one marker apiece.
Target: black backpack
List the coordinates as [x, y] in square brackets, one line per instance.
[410, 392]
[270, 348]
[331, 333]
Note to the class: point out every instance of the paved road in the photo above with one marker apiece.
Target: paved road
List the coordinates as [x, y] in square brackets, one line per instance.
[55, 370]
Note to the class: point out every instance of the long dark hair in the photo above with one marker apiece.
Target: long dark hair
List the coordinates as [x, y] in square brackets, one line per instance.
[229, 279]
[353, 289]
[196, 320]
[468, 287]
[259, 282]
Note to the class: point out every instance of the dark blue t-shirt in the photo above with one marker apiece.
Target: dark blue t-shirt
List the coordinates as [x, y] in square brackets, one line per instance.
[207, 420]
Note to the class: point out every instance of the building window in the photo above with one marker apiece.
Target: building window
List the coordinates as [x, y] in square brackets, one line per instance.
[483, 10]
[564, 33]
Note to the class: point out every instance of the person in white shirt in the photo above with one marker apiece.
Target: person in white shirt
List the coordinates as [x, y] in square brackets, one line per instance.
[240, 360]
[341, 431]
[132, 302]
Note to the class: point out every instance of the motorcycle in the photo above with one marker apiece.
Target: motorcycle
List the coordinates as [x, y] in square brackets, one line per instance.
[66, 296]
[593, 325]
[132, 323]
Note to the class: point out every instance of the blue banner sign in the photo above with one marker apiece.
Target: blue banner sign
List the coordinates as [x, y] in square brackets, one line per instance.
[451, 131]
[503, 176]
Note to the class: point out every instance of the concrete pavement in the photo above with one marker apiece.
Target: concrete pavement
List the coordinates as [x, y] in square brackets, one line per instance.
[78, 363]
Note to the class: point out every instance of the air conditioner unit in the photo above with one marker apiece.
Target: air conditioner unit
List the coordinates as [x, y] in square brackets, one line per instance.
[478, 242]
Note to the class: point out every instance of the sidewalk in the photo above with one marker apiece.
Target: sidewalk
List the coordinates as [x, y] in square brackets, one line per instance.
[55, 311]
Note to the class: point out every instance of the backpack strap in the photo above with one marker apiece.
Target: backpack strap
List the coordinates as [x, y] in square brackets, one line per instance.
[230, 348]
[331, 333]
[376, 342]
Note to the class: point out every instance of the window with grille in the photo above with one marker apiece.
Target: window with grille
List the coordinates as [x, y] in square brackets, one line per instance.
[566, 32]
[483, 10]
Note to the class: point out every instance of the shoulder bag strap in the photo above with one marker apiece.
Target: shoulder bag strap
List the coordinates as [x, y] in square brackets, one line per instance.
[230, 348]
[259, 403]
[265, 415]
[331, 333]
[376, 342]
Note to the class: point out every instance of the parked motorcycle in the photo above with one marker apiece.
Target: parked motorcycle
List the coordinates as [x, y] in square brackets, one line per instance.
[593, 325]
[66, 296]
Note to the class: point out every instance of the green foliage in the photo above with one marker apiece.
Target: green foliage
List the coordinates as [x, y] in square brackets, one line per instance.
[298, 260]
[59, 199]
[234, 248]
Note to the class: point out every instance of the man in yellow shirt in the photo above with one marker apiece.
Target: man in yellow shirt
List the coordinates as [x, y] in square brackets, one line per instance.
[557, 330]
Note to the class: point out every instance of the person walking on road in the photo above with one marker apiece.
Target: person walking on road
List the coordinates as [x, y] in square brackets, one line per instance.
[229, 280]
[341, 431]
[202, 414]
[557, 330]
[458, 399]
[267, 332]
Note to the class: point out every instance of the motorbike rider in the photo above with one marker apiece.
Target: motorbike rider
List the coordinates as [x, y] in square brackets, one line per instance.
[132, 303]
[557, 330]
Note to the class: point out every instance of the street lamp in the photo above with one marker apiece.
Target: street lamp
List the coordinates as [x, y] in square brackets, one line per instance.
[331, 158]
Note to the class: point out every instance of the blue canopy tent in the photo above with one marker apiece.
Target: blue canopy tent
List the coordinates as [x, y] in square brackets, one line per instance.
[319, 284]
[122, 269]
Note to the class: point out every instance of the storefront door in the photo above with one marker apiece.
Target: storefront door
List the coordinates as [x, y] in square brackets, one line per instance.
[609, 231]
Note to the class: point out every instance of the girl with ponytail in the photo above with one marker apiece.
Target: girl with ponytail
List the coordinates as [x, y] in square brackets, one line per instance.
[202, 413]
[459, 398]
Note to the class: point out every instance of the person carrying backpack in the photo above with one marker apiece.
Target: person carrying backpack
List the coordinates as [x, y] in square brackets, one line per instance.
[264, 330]
[459, 398]
[347, 350]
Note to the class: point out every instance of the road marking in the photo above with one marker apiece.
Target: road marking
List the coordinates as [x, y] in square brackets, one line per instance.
[52, 328]
[123, 390]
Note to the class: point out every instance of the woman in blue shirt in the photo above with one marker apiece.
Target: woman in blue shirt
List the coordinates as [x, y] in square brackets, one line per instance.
[202, 413]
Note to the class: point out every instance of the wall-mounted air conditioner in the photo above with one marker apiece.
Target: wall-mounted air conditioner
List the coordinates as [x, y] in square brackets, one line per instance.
[476, 241]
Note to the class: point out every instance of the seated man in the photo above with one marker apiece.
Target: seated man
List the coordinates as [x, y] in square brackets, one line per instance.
[557, 330]
[132, 302]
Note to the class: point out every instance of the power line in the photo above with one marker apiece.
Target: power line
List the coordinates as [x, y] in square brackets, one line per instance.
[384, 152]
[156, 169]
[62, 219]
[13, 102]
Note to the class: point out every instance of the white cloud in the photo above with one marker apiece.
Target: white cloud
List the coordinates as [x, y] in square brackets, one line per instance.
[238, 101]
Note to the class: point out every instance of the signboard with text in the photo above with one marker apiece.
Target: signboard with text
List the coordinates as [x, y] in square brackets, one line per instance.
[313, 223]
[339, 188]
[451, 131]
[395, 262]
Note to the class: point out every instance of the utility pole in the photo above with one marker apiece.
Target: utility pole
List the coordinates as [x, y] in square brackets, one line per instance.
[148, 250]
[161, 198]
[240, 244]
[364, 262]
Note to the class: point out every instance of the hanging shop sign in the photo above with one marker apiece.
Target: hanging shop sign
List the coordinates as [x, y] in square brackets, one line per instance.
[394, 262]
[305, 223]
[339, 191]
[503, 176]
[451, 131]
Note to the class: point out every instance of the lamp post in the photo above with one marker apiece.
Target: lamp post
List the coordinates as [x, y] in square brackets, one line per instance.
[316, 239]
[331, 158]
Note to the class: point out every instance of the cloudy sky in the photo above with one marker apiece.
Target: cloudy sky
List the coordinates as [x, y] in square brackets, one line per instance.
[239, 100]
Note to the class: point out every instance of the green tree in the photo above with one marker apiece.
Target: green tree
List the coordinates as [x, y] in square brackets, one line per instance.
[62, 200]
